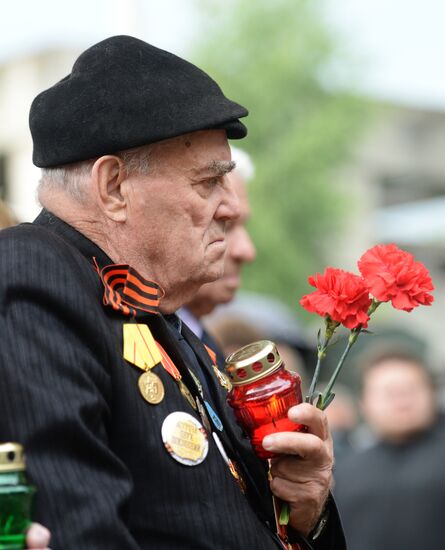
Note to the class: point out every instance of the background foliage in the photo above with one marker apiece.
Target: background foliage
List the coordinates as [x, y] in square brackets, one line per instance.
[277, 58]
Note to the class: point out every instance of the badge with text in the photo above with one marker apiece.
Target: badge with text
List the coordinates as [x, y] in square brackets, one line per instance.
[140, 348]
[185, 438]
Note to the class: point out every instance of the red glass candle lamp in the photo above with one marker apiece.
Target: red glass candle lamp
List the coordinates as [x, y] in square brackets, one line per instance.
[262, 392]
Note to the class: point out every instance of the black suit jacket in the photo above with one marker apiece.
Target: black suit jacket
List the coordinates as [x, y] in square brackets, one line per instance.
[93, 445]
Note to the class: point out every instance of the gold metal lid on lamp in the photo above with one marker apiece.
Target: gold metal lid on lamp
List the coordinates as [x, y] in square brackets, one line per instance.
[12, 457]
[253, 362]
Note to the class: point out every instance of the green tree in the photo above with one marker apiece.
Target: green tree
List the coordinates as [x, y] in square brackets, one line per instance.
[275, 57]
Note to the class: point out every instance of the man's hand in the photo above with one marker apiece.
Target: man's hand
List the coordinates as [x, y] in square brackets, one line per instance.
[303, 475]
[37, 537]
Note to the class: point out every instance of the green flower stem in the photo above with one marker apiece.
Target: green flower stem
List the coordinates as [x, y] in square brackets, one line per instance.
[321, 354]
[329, 333]
[374, 305]
[325, 397]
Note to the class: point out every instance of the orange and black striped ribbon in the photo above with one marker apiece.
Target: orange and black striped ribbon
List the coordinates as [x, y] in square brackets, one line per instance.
[127, 291]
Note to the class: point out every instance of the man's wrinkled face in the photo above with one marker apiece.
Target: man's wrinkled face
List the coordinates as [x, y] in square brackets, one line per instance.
[179, 212]
[240, 250]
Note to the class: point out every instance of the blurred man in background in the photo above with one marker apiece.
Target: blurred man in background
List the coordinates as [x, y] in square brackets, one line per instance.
[233, 332]
[343, 419]
[391, 495]
[240, 250]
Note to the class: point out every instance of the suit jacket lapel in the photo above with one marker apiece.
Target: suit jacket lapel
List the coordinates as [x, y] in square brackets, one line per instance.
[253, 469]
[209, 341]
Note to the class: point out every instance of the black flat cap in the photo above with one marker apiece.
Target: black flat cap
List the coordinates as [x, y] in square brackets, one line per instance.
[123, 93]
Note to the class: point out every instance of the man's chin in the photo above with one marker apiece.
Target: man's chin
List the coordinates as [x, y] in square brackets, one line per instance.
[214, 272]
[225, 294]
[231, 282]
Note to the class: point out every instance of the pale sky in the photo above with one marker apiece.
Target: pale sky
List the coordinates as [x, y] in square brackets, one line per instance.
[402, 42]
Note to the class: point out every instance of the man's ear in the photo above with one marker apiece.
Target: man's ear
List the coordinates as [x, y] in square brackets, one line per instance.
[108, 175]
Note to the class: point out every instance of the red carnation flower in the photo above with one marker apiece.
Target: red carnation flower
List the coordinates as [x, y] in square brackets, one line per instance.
[341, 295]
[393, 274]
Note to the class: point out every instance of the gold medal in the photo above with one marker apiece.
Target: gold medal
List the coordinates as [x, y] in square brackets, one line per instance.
[184, 438]
[186, 393]
[151, 387]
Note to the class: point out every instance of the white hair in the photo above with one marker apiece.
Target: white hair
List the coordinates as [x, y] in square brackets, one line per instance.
[73, 178]
[244, 164]
[69, 177]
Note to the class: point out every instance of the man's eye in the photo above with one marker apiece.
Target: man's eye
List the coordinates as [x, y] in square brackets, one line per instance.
[205, 187]
[212, 182]
[208, 185]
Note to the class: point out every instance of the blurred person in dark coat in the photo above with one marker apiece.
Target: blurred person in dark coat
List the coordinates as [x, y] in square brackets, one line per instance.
[343, 419]
[391, 494]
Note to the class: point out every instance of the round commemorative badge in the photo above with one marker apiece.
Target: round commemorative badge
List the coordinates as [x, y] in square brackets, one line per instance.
[185, 438]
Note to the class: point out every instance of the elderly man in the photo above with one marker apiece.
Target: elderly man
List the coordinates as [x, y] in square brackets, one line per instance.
[124, 421]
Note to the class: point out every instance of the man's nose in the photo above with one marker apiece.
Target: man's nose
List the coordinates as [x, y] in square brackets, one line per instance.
[229, 207]
[241, 246]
